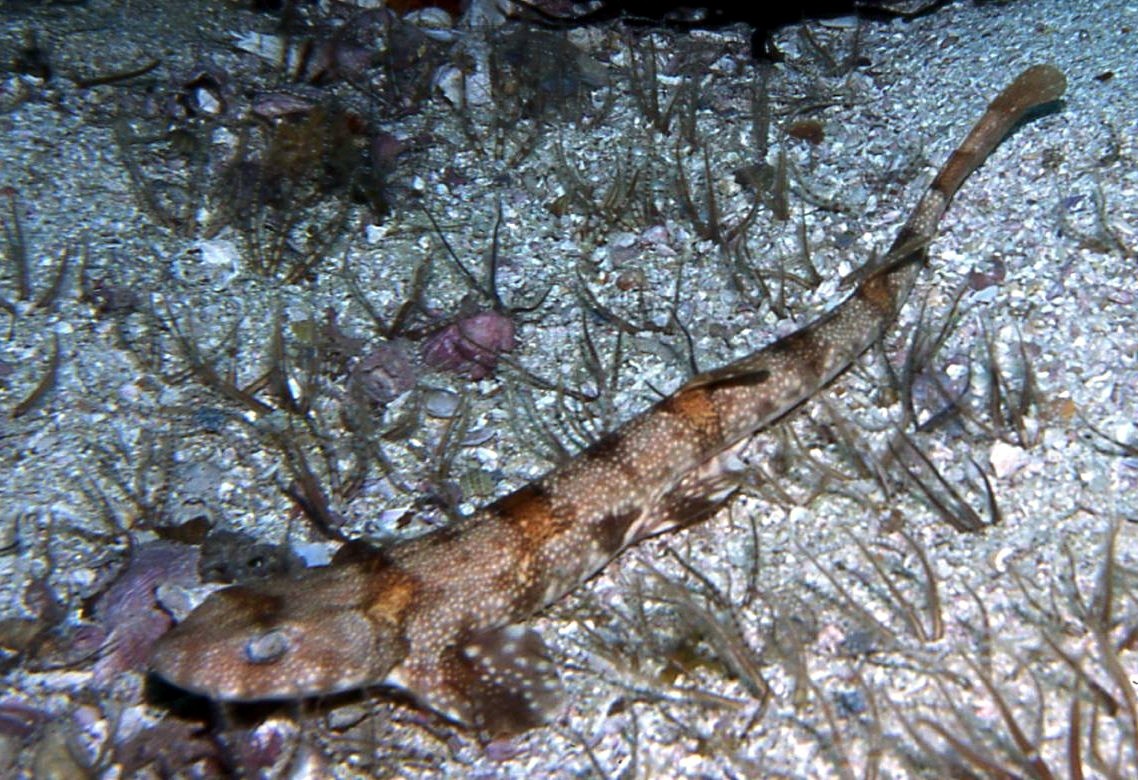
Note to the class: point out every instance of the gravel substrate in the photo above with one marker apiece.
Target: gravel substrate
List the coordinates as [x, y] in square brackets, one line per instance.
[837, 620]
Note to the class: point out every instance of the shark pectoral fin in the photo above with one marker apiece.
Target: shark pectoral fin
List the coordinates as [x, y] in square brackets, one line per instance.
[500, 682]
[510, 684]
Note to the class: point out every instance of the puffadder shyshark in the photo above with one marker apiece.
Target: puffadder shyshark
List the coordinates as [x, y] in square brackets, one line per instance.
[441, 615]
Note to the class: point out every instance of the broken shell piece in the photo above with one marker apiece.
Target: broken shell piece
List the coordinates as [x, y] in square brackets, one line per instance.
[267, 47]
[460, 88]
[434, 22]
[1006, 459]
[450, 82]
[442, 403]
[272, 105]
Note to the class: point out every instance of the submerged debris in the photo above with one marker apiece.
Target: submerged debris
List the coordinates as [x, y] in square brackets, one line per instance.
[382, 375]
[128, 611]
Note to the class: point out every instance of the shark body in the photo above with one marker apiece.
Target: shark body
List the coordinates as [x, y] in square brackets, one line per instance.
[441, 616]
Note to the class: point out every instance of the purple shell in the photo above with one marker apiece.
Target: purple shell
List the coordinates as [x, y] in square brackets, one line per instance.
[470, 345]
[170, 747]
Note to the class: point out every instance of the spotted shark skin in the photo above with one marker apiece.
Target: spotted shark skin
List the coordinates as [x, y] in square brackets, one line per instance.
[440, 615]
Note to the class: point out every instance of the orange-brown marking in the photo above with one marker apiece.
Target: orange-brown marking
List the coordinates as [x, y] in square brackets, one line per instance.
[392, 593]
[530, 510]
[473, 580]
[696, 407]
[263, 608]
[876, 292]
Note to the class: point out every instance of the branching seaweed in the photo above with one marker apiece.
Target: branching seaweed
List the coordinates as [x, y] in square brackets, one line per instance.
[920, 472]
[45, 385]
[17, 253]
[626, 200]
[925, 628]
[1008, 408]
[711, 227]
[1079, 725]
[169, 204]
[658, 108]
[723, 634]
[16, 248]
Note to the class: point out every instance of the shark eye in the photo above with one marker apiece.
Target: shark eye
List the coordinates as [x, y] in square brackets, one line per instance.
[267, 648]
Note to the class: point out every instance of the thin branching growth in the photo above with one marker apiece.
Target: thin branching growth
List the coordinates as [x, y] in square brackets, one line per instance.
[925, 344]
[146, 485]
[924, 623]
[709, 222]
[721, 631]
[206, 372]
[16, 247]
[626, 198]
[656, 106]
[17, 255]
[919, 470]
[580, 418]
[833, 743]
[821, 45]
[1040, 720]
[44, 386]
[1009, 408]
[169, 204]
